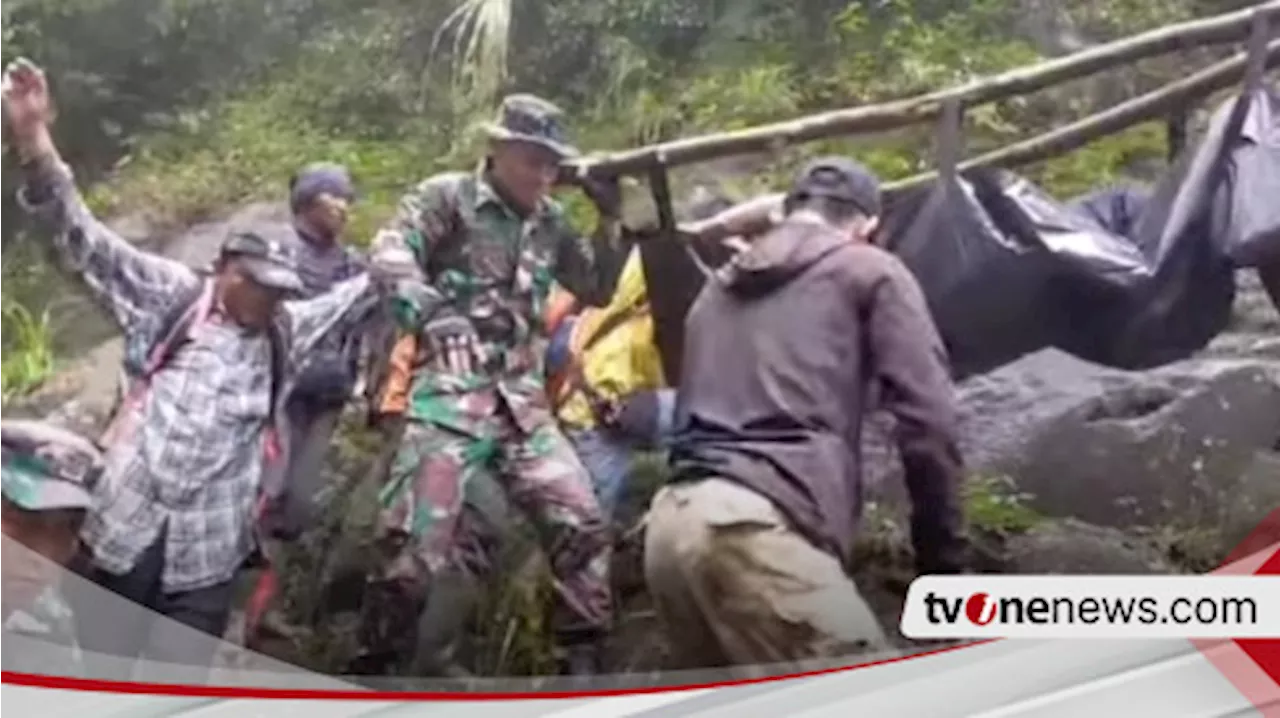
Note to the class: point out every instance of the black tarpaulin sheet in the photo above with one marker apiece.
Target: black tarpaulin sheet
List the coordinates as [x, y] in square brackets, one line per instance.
[1246, 208]
[1125, 277]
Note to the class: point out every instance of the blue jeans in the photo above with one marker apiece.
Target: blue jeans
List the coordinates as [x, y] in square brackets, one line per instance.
[607, 457]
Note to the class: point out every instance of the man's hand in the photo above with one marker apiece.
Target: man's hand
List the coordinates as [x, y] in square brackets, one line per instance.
[605, 192]
[391, 264]
[28, 111]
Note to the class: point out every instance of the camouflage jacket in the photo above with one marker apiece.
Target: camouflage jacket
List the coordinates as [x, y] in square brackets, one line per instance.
[476, 257]
[47, 641]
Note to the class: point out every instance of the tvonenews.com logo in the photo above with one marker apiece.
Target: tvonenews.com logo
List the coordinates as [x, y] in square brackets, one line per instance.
[982, 609]
[1102, 606]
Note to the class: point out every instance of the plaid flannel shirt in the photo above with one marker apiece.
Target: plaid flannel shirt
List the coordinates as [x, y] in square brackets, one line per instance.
[196, 462]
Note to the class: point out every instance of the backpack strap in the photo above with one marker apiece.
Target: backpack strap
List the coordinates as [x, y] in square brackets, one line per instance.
[279, 368]
[176, 329]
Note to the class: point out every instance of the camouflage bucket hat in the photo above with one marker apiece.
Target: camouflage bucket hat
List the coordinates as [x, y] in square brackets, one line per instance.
[47, 468]
[526, 118]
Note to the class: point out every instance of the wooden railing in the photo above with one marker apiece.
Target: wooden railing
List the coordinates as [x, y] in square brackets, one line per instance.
[1261, 21]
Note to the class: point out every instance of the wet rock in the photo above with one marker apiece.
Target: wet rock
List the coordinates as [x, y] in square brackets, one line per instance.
[1115, 447]
[1075, 547]
[1174, 444]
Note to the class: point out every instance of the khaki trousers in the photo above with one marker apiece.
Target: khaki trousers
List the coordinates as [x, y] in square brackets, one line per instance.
[735, 585]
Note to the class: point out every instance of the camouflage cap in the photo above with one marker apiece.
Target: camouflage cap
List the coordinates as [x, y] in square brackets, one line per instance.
[527, 118]
[46, 468]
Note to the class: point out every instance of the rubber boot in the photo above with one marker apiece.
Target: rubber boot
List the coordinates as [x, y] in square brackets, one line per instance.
[582, 654]
[451, 603]
[583, 660]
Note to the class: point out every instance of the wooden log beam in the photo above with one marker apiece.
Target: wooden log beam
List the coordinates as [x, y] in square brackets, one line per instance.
[1224, 28]
[759, 213]
[1152, 105]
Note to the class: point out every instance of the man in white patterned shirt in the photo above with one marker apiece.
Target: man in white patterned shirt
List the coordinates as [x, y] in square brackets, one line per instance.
[192, 449]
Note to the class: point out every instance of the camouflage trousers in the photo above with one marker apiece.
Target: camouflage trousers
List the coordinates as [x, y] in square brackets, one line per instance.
[428, 525]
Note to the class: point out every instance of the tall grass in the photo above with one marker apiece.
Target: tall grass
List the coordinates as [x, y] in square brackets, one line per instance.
[28, 357]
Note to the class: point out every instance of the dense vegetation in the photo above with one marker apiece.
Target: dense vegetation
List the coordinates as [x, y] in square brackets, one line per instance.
[178, 109]
[172, 111]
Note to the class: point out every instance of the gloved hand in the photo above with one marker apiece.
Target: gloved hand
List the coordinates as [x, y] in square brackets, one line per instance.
[392, 263]
[453, 345]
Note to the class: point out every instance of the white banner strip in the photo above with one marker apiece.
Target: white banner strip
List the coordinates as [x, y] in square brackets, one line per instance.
[1093, 607]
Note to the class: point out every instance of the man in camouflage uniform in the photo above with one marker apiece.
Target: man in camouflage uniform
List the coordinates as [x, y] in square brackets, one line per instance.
[485, 248]
[48, 474]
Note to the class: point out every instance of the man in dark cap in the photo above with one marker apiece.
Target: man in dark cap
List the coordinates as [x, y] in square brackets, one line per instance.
[746, 547]
[486, 247]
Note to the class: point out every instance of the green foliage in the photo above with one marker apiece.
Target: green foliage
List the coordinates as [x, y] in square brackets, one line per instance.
[28, 349]
[190, 107]
[512, 636]
[993, 504]
[369, 91]
[1105, 162]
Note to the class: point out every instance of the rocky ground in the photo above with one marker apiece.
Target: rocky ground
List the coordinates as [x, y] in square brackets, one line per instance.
[1077, 468]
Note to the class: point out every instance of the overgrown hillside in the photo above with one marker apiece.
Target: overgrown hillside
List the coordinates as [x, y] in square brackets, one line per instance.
[178, 111]
[175, 110]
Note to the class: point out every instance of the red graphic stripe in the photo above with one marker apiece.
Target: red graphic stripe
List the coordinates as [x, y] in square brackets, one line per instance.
[162, 689]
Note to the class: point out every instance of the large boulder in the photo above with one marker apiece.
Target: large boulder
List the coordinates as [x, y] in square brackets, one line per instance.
[1184, 444]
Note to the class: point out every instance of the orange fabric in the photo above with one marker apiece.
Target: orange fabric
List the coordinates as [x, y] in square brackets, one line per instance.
[395, 392]
[559, 305]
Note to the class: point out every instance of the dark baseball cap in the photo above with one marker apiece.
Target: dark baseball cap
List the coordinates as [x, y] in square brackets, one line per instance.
[840, 179]
[268, 261]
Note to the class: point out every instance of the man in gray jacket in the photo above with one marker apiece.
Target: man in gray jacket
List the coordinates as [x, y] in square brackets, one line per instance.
[746, 546]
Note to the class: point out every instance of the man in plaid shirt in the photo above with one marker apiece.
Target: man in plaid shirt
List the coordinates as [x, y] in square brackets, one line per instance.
[172, 520]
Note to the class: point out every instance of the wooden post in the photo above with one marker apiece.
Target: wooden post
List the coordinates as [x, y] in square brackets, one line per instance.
[950, 138]
[676, 270]
[660, 187]
[1176, 133]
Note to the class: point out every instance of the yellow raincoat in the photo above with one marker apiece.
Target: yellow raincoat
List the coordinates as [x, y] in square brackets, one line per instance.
[623, 361]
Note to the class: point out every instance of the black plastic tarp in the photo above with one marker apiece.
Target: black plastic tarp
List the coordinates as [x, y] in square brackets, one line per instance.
[1127, 277]
[1246, 208]
[987, 279]
[1188, 299]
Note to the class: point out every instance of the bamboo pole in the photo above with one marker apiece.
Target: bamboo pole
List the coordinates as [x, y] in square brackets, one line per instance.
[759, 213]
[1224, 28]
[1121, 117]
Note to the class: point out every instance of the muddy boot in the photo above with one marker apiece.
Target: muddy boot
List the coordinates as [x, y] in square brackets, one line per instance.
[450, 605]
[582, 655]
[388, 623]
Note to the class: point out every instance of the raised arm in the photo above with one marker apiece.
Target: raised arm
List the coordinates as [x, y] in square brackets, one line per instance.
[131, 284]
[404, 246]
[343, 309]
[910, 364]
